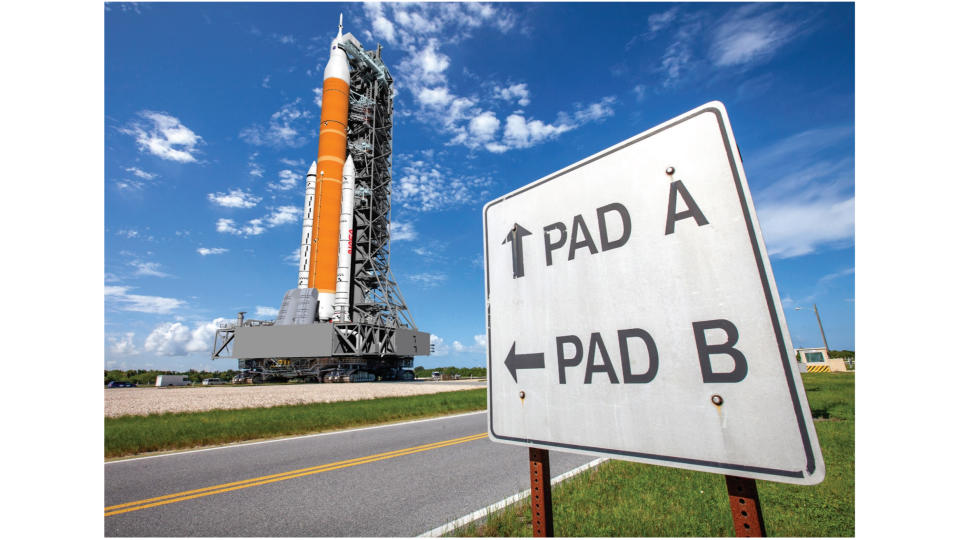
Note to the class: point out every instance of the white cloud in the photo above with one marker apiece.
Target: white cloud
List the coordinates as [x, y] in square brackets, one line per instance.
[428, 279]
[141, 173]
[400, 231]
[177, 339]
[288, 181]
[440, 348]
[118, 296]
[237, 198]
[802, 146]
[520, 132]
[793, 229]
[484, 126]
[425, 187]
[676, 60]
[264, 311]
[435, 97]
[496, 148]
[277, 216]
[128, 233]
[702, 43]
[128, 185]
[640, 90]
[811, 203]
[513, 92]
[595, 111]
[255, 168]
[382, 26]
[293, 163]
[750, 33]
[148, 269]
[266, 82]
[293, 258]
[164, 136]
[123, 346]
[283, 215]
[834, 275]
[211, 251]
[430, 63]
[421, 32]
[253, 227]
[658, 21]
[285, 128]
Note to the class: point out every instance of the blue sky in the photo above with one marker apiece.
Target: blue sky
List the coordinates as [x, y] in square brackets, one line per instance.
[211, 115]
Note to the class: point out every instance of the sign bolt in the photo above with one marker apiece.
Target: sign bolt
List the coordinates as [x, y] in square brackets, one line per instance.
[523, 394]
[671, 170]
[716, 399]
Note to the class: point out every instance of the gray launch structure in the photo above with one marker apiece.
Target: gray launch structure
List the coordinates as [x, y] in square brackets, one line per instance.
[381, 337]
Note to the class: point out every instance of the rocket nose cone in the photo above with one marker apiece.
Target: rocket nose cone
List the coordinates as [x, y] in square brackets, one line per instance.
[313, 169]
[349, 169]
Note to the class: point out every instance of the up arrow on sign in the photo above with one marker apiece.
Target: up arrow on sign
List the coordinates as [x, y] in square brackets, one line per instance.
[515, 237]
[516, 361]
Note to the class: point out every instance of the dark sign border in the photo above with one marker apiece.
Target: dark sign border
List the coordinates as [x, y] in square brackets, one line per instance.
[768, 293]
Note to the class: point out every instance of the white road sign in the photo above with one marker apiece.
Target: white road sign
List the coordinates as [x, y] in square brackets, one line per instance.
[632, 312]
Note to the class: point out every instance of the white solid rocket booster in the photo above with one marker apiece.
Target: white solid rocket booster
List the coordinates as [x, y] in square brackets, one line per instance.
[341, 303]
[304, 276]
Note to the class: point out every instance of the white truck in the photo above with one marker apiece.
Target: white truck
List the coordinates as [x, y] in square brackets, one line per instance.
[173, 380]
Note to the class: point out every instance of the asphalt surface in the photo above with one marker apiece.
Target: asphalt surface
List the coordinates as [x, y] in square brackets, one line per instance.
[403, 488]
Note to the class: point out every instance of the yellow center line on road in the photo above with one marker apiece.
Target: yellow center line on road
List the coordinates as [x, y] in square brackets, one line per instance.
[261, 480]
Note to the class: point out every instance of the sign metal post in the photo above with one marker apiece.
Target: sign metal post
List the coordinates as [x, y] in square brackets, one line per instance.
[745, 506]
[541, 500]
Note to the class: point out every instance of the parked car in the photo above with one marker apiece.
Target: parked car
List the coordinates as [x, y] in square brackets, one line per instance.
[210, 382]
[120, 384]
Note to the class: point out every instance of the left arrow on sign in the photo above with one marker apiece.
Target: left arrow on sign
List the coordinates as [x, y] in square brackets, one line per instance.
[516, 361]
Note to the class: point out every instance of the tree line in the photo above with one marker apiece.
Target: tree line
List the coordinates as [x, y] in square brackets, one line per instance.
[421, 371]
[147, 377]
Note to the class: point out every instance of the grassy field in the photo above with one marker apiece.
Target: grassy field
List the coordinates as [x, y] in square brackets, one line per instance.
[621, 498]
[128, 435]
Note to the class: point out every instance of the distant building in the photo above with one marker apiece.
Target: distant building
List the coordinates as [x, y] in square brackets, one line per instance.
[817, 359]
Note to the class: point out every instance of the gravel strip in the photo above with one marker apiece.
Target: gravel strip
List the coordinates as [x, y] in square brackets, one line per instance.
[152, 400]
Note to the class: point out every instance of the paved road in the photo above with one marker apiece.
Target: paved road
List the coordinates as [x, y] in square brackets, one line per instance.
[398, 480]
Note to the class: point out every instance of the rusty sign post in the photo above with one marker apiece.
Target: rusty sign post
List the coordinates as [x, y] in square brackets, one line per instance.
[541, 500]
[745, 506]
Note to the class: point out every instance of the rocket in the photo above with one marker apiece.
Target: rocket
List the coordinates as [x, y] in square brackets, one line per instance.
[331, 156]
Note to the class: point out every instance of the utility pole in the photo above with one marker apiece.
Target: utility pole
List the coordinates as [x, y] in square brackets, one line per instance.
[824, 336]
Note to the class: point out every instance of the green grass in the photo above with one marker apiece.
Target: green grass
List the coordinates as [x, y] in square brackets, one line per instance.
[621, 498]
[127, 435]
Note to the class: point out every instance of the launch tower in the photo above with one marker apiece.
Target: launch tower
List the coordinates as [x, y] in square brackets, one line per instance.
[368, 330]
